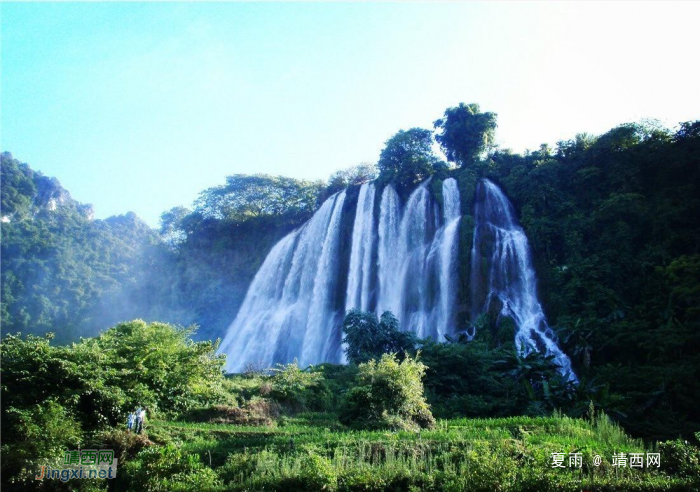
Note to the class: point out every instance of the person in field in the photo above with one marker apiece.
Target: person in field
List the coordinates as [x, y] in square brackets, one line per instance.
[139, 422]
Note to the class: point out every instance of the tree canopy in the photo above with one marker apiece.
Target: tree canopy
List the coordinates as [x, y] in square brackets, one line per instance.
[354, 175]
[408, 158]
[464, 133]
[256, 195]
[367, 337]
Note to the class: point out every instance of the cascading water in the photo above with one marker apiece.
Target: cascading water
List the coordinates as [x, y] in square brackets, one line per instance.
[412, 286]
[448, 257]
[317, 345]
[387, 259]
[405, 261]
[287, 311]
[502, 276]
[360, 271]
[417, 260]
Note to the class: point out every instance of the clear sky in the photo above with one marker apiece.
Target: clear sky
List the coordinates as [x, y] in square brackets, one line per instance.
[141, 106]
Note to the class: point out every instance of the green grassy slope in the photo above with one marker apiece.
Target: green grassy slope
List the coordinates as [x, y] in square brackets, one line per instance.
[311, 451]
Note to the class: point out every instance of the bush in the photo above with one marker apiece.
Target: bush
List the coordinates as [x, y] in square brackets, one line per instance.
[389, 394]
[167, 468]
[158, 365]
[680, 458]
[35, 436]
[368, 338]
[293, 386]
[96, 381]
[318, 472]
[126, 445]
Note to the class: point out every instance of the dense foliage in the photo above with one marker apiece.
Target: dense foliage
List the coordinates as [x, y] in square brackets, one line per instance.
[614, 224]
[408, 158]
[256, 431]
[258, 195]
[66, 273]
[62, 271]
[58, 397]
[352, 176]
[465, 133]
[388, 394]
[368, 338]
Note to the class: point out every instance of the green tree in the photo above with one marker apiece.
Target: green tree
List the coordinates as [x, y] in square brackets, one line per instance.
[245, 196]
[293, 386]
[354, 175]
[18, 187]
[465, 133]
[159, 365]
[389, 394]
[366, 337]
[408, 158]
[171, 226]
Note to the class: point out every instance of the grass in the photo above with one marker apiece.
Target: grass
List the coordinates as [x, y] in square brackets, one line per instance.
[312, 451]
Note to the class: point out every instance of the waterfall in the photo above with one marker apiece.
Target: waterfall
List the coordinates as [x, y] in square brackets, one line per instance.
[417, 259]
[503, 278]
[288, 309]
[387, 260]
[409, 294]
[405, 261]
[360, 271]
[448, 257]
[317, 342]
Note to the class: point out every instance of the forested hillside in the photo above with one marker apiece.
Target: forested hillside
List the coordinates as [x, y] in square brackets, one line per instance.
[615, 226]
[58, 264]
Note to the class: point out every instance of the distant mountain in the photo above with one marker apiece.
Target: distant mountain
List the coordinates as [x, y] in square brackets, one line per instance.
[58, 263]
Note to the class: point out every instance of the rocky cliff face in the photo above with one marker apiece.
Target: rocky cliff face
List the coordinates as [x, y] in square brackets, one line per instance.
[28, 193]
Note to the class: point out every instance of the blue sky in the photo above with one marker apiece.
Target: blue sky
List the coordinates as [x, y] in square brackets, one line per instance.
[141, 106]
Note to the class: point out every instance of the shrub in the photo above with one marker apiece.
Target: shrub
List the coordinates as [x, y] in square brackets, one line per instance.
[680, 458]
[318, 472]
[159, 365]
[126, 445]
[368, 338]
[35, 436]
[293, 386]
[167, 468]
[389, 394]
[258, 411]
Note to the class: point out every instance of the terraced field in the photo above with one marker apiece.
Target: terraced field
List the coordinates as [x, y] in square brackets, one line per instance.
[312, 451]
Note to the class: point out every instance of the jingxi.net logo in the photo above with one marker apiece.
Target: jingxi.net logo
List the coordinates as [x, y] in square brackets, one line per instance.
[78, 464]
